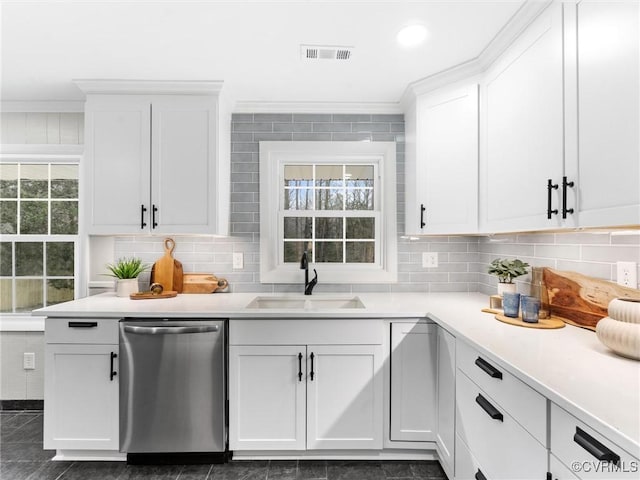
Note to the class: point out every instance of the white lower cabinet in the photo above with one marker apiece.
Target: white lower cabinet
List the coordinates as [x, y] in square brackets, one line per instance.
[466, 466]
[304, 397]
[503, 447]
[81, 397]
[446, 407]
[269, 397]
[413, 381]
[344, 397]
[81, 388]
[586, 453]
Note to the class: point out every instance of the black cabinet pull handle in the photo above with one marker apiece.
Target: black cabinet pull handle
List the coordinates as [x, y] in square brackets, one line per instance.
[154, 210]
[143, 209]
[488, 368]
[565, 184]
[422, 210]
[479, 475]
[486, 405]
[550, 186]
[312, 356]
[83, 324]
[594, 447]
[299, 367]
[113, 373]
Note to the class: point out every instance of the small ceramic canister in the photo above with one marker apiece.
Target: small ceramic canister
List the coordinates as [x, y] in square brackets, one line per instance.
[511, 304]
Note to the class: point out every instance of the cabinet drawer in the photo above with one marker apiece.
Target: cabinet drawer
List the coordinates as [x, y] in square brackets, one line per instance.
[559, 471]
[467, 467]
[499, 444]
[81, 330]
[524, 404]
[578, 446]
[305, 332]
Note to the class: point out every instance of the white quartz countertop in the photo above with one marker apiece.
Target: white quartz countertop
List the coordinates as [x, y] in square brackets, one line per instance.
[569, 365]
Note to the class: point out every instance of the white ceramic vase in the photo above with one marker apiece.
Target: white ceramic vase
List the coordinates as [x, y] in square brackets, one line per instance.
[506, 287]
[126, 286]
[620, 331]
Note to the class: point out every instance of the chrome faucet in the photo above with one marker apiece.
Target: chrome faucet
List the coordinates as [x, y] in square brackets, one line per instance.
[304, 265]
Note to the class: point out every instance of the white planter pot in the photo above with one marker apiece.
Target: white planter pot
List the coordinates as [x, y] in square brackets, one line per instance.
[506, 287]
[126, 287]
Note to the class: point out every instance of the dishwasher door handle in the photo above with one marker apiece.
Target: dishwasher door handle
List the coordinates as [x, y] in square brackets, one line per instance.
[170, 330]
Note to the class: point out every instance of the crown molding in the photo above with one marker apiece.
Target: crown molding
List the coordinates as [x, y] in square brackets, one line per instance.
[520, 20]
[319, 107]
[149, 87]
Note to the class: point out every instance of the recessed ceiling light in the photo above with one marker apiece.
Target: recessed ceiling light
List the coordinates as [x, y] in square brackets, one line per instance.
[412, 35]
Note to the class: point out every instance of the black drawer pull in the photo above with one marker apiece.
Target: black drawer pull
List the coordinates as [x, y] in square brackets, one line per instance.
[112, 372]
[594, 447]
[479, 475]
[488, 368]
[83, 324]
[422, 210]
[492, 411]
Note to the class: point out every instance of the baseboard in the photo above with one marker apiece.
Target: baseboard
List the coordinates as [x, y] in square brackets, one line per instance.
[21, 405]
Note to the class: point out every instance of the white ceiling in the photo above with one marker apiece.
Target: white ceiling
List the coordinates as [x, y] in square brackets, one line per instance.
[252, 45]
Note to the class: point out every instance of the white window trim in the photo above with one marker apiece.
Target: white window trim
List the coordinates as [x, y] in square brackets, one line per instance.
[273, 155]
[24, 321]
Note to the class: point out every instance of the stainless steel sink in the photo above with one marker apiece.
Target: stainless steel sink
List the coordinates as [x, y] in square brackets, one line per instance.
[315, 303]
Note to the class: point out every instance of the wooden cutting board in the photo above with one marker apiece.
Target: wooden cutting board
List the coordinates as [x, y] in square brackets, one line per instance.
[167, 271]
[581, 300]
[203, 283]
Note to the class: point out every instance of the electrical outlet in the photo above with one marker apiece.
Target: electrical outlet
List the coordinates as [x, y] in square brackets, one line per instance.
[238, 260]
[429, 259]
[29, 361]
[627, 274]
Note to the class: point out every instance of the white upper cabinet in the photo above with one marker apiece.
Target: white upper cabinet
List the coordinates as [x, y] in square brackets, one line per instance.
[603, 104]
[155, 162]
[522, 130]
[441, 167]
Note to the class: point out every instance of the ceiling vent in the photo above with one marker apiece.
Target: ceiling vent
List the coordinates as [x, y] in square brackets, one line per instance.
[325, 52]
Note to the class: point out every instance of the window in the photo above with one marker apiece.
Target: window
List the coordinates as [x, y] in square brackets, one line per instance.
[334, 200]
[39, 228]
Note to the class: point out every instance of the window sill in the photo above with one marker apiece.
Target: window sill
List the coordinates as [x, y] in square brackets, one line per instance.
[21, 323]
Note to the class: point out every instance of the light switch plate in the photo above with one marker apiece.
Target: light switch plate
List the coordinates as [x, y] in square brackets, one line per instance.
[29, 361]
[238, 260]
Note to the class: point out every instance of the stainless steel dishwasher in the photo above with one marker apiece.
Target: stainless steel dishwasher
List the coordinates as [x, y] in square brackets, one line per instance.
[172, 390]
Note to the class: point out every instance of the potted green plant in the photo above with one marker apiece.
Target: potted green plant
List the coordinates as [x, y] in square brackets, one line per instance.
[506, 270]
[126, 271]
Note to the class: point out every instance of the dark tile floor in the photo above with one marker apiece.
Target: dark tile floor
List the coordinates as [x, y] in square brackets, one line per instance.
[22, 458]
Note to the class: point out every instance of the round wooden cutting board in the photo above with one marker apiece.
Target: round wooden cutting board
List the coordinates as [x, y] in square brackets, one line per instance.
[543, 323]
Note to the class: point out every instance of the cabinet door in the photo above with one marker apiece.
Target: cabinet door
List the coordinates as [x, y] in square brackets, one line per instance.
[184, 161]
[608, 62]
[344, 397]
[522, 131]
[81, 397]
[413, 381]
[445, 431]
[116, 164]
[447, 160]
[267, 397]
